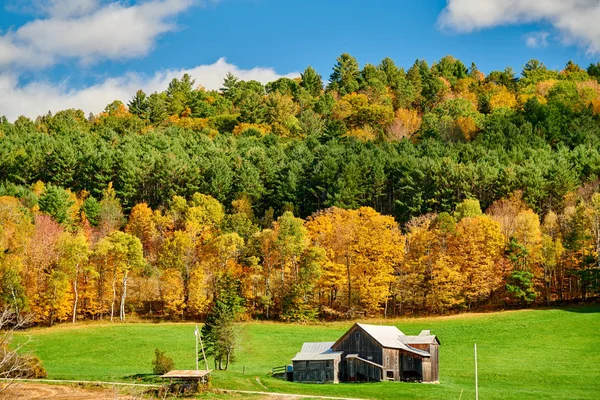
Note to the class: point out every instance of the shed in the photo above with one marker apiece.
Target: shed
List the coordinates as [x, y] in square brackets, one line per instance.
[317, 362]
[187, 381]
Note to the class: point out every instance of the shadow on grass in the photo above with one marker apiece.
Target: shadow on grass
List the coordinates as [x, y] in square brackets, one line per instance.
[590, 306]
[144, 378]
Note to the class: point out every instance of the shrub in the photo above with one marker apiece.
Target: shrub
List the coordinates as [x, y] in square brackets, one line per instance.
[162, 363]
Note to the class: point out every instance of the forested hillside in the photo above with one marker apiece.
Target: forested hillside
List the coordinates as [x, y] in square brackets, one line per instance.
[430, 190]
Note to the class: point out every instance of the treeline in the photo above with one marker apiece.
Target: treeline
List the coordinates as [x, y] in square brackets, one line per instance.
[162, 205]
[177, 262]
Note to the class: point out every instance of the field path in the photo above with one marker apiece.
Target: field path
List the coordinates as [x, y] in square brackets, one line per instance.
[58, 390]
[34, 391]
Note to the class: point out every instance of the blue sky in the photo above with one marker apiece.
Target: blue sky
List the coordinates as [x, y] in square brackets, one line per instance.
[56, 54]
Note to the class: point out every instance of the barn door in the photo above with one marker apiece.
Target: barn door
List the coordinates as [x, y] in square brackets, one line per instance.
[352, 370]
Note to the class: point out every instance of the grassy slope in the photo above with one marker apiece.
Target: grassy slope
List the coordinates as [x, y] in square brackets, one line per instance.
[547, 354]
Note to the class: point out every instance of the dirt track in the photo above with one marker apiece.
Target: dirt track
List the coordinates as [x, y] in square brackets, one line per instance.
[56, 392]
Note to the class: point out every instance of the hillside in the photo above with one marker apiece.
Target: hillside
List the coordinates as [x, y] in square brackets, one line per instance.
[389, 192]
[522, 354]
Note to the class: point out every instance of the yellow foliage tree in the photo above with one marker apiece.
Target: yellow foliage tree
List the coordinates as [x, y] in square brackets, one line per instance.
[369, 247]
[502, 98]
[476, 249]
[405, 125]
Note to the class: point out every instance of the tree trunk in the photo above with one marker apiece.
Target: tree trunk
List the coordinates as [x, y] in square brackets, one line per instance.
[76, 292]
[349, 284]
[114, 296]
[123, 297]
[268, 286]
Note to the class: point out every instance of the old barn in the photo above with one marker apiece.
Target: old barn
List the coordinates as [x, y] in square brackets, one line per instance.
[370, 353]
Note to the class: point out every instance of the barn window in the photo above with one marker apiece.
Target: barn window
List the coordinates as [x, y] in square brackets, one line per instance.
[356, 335]
[390, 374]
[411, 363]
[387, 361]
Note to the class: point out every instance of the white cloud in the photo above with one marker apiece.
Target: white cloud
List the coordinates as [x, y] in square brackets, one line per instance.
[537, 39]
[574, 20]
[88, 30]
[68, 8]
[38, 98]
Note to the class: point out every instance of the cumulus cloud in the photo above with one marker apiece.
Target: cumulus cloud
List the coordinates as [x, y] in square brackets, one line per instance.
[38, 98]
[574, 20]
[67, 8]
[537, 39]
[89, 30]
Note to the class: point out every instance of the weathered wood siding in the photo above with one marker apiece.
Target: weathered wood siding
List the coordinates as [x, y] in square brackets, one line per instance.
[391, 364]
[434, 350]
[410, 364]
[320, 371]
[356, 341]
[430, 366]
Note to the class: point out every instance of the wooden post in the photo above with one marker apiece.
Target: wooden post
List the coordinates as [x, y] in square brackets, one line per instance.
[203, 354]
[196, 335]
[476, 378]
[244, 373]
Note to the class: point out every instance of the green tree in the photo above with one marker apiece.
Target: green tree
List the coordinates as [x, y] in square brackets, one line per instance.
[55, 201]
[311, 81]
[345, 75]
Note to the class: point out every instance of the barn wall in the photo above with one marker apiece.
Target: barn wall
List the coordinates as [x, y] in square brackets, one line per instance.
[318, 371]
[433, 373]
[391, 364]
[410, 364]
[362, 344]
[435, 362]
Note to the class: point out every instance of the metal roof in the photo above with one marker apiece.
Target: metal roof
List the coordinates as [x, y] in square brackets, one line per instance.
[186, 374]
[386, 335]
[391, 337]
[315, 351]
[316, 347]
[419, 339]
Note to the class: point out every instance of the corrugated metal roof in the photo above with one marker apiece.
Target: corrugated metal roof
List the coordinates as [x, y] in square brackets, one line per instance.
[316, 347]
[314, 351]
[387, 336]
[390, 337]
[317, 357]
[419, 339]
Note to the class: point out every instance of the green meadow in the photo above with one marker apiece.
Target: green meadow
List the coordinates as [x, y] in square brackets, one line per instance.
[531, 354]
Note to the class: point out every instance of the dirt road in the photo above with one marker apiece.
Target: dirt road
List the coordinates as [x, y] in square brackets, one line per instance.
[28, 391]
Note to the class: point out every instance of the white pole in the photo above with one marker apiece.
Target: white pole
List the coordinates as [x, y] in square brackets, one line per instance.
[196, 335]
[476, 380]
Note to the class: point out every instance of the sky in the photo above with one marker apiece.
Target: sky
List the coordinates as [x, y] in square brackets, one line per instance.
[59, 54]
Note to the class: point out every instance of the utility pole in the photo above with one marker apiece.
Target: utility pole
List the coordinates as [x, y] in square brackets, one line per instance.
[476, 380]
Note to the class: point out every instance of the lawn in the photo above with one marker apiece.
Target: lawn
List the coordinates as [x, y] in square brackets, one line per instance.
[531, 354]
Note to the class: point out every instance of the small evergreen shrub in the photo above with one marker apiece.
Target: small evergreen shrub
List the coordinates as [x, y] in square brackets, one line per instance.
[162, 363]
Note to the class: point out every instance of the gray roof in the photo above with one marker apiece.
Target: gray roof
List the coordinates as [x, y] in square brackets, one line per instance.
[419, 339]
[314, 351]
[316, 347]
[391, 337]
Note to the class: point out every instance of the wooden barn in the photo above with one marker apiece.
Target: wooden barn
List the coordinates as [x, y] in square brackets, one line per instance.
[317, 363]
[370, 353]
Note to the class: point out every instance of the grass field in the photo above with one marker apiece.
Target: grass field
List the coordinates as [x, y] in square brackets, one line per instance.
[532, 354]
